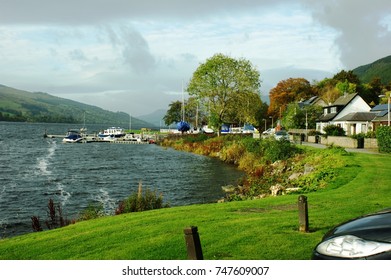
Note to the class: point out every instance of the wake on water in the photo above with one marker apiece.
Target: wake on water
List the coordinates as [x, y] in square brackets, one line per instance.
[108, 203]
[44, 161]
[45, 168]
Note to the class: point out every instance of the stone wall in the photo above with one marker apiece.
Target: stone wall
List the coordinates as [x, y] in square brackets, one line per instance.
[370, 143]
[346, 142]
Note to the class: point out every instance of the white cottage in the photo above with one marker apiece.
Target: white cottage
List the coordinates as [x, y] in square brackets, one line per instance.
[350, 112]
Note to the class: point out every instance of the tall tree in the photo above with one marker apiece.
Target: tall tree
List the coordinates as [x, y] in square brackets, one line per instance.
[174, 113]
[348, 76]
[301, 117]
[229, 88]
[288, 91]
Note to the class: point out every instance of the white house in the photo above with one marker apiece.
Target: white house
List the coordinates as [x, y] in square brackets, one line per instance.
[350, 112]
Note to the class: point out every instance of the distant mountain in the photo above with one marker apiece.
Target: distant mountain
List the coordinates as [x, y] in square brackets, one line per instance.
[380, 68]
[155, 118]
[19, 105]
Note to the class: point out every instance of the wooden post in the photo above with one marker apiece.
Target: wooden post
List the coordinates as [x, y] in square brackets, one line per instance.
[193, 243]
[303, 213]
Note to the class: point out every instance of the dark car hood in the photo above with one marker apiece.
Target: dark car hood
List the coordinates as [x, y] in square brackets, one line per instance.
[376, 227]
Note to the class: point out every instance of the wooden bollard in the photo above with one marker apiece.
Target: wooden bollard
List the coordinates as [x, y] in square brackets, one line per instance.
[303, 213]
[193, 243]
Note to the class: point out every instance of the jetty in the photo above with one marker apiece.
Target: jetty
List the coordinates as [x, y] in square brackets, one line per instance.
[150, 139]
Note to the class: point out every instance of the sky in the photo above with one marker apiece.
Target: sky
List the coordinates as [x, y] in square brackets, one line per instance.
[136, 56]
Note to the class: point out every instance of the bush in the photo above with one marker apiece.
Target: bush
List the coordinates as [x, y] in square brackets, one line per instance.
[232, 153]
[92, 211]
[383, 135]
[334, 130]
[274, 150]
[140, 201]
[55, 218]
[253, 145]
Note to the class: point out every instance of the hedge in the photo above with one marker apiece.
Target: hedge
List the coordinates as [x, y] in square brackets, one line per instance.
[383, 135]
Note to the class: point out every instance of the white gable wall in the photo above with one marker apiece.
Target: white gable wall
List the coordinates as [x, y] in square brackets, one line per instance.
[356, 105]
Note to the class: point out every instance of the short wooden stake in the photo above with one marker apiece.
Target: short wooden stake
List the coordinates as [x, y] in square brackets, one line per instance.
[193, 243]
[303, 213]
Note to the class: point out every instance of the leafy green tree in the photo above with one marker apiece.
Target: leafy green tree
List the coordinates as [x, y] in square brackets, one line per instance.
[326, 90]
[346, 87]
[348, 76]
[371, 91]
[193, 113]
[296, 117]
[228, 88]
[174, 113]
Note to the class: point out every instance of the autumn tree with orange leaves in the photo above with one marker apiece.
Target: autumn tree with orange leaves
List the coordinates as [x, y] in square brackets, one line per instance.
[288, 91]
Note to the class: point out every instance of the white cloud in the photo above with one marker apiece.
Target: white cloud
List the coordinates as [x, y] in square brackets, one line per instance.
[132, 55]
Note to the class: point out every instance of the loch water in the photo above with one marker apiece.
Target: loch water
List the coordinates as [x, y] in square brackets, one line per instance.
[34, 169]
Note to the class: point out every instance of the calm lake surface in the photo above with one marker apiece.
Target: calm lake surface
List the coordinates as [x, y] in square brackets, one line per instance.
[34, 169]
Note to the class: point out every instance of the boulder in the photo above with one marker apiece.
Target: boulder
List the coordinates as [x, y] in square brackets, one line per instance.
[277, 190]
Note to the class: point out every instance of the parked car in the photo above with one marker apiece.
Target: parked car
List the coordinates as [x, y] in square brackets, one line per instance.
[367, 237]
[281, 135]
[268, 132]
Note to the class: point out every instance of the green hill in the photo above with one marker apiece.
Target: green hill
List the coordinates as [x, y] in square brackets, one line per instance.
[19, 105]
[379, 69]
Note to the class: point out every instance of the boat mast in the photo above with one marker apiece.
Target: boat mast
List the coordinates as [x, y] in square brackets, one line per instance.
[183, 104]
[130, 122]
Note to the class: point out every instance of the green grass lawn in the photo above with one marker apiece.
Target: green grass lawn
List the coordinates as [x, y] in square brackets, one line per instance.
[246, 230]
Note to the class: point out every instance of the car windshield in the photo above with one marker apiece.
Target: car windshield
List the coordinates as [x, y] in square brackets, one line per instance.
[281, 133]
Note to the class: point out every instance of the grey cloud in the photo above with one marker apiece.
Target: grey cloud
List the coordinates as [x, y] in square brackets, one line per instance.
[362, 37]
[92, 11]
[136, 51]
[133, 47]
[77, 55]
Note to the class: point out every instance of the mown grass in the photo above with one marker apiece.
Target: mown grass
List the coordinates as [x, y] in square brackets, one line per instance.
[243, 230]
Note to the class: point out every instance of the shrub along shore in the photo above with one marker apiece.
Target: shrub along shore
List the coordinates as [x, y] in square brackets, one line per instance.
[272, 167]
[254, 225]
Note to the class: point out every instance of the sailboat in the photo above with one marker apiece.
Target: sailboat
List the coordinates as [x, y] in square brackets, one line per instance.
[183, 126]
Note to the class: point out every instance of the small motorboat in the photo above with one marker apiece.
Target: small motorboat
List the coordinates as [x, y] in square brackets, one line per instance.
[73, 136]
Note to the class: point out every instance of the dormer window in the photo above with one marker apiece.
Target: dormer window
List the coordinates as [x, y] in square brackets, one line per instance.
[333, 109]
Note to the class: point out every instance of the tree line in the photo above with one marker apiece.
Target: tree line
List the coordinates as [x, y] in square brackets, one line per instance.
[225, 90]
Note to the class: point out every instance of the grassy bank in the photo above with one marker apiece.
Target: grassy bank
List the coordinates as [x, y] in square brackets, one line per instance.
[252, 229]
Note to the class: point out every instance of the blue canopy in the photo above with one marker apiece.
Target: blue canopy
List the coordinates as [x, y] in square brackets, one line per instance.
[183, 126]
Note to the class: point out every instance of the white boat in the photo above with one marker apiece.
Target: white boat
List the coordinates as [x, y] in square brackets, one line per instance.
[207, 129]
[73, 136]
[132, 137]
[111, 133]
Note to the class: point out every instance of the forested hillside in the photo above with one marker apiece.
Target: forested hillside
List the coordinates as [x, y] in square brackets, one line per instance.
[379, 69]
[19, 105]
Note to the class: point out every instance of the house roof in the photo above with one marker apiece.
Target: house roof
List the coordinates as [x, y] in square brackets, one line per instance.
[344, 99]
[327, 117]
[381, 110]
[380, 107]
[341, 103]
[358, 116]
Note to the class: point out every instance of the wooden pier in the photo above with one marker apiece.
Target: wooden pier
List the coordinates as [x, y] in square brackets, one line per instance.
[95, 139]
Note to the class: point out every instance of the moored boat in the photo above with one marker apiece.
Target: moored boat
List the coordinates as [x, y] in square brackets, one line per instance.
[73, 136]
[111, 133]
